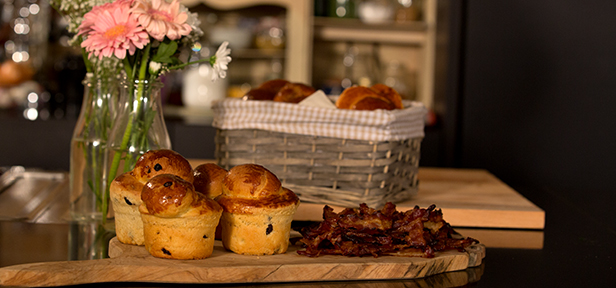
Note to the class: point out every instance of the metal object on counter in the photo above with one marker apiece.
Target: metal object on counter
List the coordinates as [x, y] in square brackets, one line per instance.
[33, 195]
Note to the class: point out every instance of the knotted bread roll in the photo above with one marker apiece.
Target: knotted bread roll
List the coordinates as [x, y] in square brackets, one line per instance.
[376, 97]
[208, 179]
[390, 93]
[293, 93]
[266, 91]
[178, 222]
[125, 190]
[257, 211]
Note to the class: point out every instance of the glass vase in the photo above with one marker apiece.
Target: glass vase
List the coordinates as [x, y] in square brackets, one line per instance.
[89, 148]
[139, 127]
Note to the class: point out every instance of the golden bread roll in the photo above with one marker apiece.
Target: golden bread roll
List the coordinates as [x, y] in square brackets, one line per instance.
[390, 93]
[178, 222]
[362, 98]
[258, 94]
[125, 190]
[273, 86]
[208, 179]
[293, 93]
[163, 161]
[266, 91]
[257, 211]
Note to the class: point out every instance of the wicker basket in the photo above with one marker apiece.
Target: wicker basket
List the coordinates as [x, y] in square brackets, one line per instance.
[327, 170]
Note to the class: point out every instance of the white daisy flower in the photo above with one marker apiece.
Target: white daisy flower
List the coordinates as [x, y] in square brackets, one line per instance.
[220, 61]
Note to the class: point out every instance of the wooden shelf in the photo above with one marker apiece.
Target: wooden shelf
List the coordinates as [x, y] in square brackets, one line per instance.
[257, 53]
[354, 30]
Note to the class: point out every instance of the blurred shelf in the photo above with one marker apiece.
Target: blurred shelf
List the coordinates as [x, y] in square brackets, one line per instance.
[257, 53]
[354, 30]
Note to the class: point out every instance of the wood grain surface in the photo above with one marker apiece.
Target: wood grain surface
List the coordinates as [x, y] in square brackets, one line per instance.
[467, 197]
[133, 264]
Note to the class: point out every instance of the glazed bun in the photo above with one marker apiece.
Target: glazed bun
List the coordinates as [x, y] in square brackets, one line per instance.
[273, 86]
[163, 161]
[293, 93]
[378, 96]
[362, 98]
[208, 179]
[168, 195]
[125, 190]
[257, 211]
[390, 93]
[266, 91]
[178, 222]
[251, 181]
[125, 196]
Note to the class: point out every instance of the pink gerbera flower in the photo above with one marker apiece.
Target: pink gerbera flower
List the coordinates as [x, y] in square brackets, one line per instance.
[113, 32]
[90, 18]
[160, 19]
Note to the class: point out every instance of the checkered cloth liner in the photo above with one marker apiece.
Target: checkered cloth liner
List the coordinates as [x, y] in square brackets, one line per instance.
[378, 125]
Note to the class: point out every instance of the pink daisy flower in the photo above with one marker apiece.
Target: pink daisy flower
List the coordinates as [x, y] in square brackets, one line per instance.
[113, 32]
[160, 18]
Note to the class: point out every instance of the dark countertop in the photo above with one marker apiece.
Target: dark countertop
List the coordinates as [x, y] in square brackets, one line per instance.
[578, 251]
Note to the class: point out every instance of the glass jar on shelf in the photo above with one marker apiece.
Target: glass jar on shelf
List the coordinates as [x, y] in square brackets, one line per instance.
[270, 34]
[376, 11]
[342, 9]
[398, 77]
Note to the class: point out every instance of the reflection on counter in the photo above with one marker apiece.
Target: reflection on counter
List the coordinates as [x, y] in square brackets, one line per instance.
[89, 240]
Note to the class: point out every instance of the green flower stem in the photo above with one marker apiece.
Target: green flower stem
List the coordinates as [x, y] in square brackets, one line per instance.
[85, 55]
[128, 132]
[128, 68]
[211, 60]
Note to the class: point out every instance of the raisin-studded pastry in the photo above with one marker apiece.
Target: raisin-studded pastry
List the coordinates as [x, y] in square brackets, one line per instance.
[208, 179]
[178, 222]
[257, 211]
[125, 190]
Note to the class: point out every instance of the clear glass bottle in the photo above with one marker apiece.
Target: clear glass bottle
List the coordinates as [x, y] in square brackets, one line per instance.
[139, 127]
[89, 148]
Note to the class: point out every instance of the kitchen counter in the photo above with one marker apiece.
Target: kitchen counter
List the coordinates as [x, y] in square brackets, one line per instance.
[576, 250]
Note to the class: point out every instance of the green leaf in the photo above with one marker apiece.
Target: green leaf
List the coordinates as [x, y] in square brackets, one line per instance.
[165, 51]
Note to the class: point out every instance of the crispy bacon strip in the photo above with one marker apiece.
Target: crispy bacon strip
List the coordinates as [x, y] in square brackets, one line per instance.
[366, 231]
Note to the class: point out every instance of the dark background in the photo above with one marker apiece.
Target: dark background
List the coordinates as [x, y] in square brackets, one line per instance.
[533, 99]
[528, 93]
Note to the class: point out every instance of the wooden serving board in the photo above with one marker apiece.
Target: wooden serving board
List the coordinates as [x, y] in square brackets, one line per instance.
[130, 263]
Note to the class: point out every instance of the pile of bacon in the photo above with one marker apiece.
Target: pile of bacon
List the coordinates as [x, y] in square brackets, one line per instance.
[366, 231]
